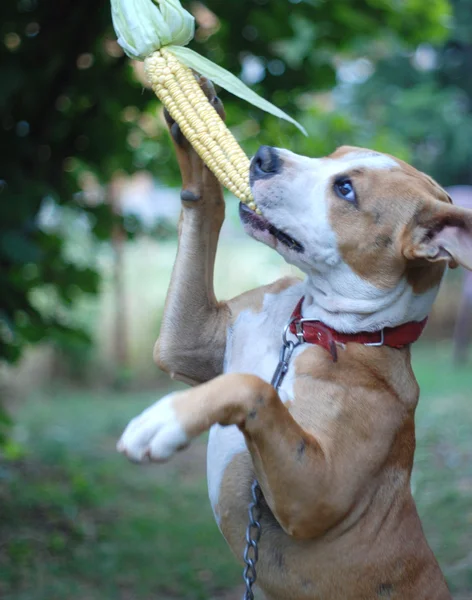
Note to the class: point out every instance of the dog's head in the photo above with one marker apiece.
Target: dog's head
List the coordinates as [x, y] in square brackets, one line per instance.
[360, 209]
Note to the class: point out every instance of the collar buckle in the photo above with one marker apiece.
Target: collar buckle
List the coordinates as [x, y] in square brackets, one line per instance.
[298, 322]
[299, 331]
[377, 344]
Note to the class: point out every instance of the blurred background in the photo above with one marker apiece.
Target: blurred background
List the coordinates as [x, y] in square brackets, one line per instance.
[89, 202]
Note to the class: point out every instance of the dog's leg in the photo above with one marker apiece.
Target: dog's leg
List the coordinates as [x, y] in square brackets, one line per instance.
[272, 436]
[193, 331]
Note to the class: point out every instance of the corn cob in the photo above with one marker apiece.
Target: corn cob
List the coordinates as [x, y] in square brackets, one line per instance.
[176, 87]
[156, 31]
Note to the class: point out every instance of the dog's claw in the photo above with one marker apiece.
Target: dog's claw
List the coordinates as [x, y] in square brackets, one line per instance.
[177, 134]
[169, 120]
[207, 87]
[218, 106]
[209, 90]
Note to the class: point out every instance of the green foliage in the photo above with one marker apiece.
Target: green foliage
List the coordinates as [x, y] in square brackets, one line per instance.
[5, 423]
[306, 35]
[72, 110]
[77, 516]
[54, 116]
[426, 98]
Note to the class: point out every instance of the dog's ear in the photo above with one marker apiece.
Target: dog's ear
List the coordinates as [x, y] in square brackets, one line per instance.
[440, 232]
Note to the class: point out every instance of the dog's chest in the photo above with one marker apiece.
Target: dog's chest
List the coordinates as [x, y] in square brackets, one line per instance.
[253, 346]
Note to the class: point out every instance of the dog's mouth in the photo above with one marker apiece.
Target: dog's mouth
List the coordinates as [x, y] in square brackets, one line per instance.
[260, 223]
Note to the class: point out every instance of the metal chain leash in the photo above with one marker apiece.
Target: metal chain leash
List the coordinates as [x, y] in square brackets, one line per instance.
[254, 529]
[253, 535]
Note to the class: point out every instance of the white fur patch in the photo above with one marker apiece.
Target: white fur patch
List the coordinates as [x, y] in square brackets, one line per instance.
[155, 434]
[253, 346]
[348, 303]
[224, 444]
[367, 160]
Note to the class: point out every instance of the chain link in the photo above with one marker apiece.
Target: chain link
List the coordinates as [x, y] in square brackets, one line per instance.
[253, 535]
[254, 529]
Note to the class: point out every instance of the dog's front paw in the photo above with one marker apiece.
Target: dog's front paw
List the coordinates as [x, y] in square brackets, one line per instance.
[155, 435]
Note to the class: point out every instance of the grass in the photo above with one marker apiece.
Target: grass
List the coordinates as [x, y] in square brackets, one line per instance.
[80, 522]
[77, 521]
[442, 480]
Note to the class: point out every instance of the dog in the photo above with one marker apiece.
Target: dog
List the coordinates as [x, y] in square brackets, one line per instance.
[332, 449]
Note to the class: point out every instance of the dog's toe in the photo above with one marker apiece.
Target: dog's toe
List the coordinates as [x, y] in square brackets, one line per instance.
[177, 135]
[155, 435]
[167, 442]
[218, 106]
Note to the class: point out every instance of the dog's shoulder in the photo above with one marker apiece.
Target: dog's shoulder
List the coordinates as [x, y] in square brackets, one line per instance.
[253, 300]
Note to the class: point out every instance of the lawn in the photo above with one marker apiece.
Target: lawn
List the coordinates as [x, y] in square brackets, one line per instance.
[78, 522]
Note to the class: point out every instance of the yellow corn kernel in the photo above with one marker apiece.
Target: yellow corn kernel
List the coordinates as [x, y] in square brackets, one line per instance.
[179, 91]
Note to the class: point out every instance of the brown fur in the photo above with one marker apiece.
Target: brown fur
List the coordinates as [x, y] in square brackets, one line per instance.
[372, 233]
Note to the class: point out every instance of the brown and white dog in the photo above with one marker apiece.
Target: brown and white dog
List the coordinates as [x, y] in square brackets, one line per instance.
[333, 449]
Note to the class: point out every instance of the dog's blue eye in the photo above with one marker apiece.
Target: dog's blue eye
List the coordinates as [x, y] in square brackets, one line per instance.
[345, 190]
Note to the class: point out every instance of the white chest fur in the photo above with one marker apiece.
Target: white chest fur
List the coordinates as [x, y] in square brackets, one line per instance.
[253, 346]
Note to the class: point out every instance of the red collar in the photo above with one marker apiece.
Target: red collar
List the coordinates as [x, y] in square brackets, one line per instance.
[316, 332]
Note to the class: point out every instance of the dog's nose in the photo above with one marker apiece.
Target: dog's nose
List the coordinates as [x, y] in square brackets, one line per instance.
[265, 163]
